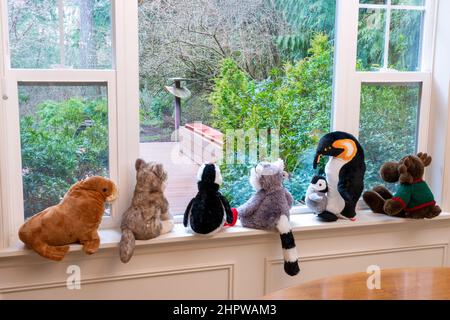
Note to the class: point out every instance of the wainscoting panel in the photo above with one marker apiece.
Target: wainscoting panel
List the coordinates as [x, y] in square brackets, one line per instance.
[216, 283]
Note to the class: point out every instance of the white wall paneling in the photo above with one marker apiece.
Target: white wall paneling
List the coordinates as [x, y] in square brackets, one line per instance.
[232, 267]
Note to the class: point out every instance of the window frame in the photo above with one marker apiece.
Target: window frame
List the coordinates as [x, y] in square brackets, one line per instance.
[124, 80]
[122, 95]
[348, 81]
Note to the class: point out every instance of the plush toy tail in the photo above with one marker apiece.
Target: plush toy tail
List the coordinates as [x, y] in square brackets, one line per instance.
[235, 216]
[126, 246]
[288, 244]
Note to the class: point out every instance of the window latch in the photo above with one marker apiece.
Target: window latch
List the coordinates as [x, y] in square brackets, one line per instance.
[4, 90]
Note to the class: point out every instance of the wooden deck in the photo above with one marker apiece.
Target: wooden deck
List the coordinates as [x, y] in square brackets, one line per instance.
[182, 172]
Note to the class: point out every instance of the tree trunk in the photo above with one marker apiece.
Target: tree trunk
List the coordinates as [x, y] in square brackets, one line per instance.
[88, 48]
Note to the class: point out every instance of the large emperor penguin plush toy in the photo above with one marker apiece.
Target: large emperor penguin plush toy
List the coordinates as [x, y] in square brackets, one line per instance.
[344, 173]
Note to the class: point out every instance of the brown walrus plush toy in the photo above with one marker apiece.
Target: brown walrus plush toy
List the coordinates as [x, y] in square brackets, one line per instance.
[74, 220]
[413, 198]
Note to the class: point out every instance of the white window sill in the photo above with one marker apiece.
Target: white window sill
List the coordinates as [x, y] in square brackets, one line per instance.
[300, 222]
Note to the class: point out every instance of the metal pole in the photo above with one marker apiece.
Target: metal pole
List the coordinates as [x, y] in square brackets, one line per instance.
[177, 107]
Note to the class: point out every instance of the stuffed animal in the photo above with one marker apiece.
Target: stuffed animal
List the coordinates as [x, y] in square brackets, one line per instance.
[413, 198]
[344, 173]
[268, 209]
[316, 194]
[74, 220]
[148, 216]
[207, 213]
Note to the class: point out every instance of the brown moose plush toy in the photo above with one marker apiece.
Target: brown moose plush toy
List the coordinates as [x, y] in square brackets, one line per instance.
[74, 220]
[413, 198]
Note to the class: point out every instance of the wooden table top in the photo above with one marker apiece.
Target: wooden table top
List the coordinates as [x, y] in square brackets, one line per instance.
[406, 283]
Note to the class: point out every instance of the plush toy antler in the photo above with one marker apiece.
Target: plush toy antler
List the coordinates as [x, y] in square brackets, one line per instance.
[425, 158]
[405, 175]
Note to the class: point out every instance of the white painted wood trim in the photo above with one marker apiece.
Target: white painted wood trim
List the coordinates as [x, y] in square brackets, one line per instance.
[61, 75]
[346, 91]
[429, 35]
[229, 267]
[301, 224]
[392, 6]
[3, 92]
[126, 59]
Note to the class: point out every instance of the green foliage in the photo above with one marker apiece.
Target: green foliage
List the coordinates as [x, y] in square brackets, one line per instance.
[404, 39]
[388, 125]
[306, 18]
[34, 33]
[57, 150]
[153, 108]
[295, 101]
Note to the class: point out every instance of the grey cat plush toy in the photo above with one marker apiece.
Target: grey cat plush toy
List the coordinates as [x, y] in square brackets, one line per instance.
[316, 194]
[268, 209]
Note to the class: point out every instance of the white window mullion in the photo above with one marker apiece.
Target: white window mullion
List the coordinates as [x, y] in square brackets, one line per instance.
[126, 61]
[385, 6]
[345, 85]
[387, 34]
[4, 225]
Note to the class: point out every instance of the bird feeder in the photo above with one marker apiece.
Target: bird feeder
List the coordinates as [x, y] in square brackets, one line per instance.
[179, 93]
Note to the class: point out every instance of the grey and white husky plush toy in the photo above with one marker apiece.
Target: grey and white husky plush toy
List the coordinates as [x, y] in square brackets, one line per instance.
[268, 209]
[207, 212]
[316, 194]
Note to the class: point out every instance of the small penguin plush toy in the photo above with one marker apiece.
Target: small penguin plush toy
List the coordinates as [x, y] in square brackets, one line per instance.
[207, 213]
[316, 194]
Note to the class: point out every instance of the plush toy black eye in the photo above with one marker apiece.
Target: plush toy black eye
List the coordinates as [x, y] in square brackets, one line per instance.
[104, 189]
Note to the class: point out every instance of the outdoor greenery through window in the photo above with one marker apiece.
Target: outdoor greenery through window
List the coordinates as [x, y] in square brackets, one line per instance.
[388, 124]
[63, 126]
[249, 64]
[64, 138]
[390, 34]
[49, 34]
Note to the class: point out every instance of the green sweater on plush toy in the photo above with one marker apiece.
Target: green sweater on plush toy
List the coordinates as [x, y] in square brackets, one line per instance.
[414, 196]
[413, 199]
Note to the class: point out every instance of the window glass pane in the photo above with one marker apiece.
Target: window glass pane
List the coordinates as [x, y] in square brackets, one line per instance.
[87, 28]
[405, 39]
[372, 1]
[33, 33]
[409, 2]
[64, 137]
[36, 42]
[388, 124]
[251, 65]
[371, 30]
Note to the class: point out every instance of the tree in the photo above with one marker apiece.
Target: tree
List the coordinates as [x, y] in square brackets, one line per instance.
[306, 18]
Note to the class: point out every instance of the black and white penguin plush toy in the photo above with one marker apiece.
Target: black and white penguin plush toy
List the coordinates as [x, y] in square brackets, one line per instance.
[344, 174]
[316, 194]
[207, 213]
